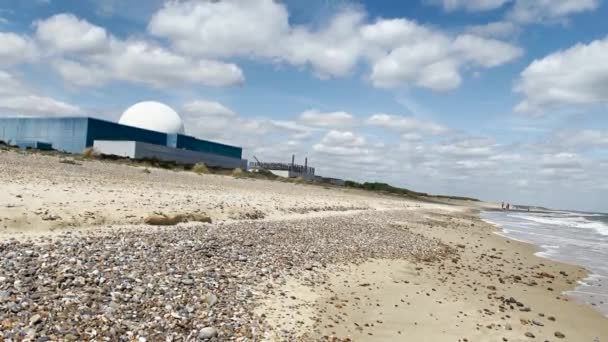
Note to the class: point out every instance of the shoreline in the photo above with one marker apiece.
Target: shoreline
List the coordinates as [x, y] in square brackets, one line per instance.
[474, 305]
[542, 252]
[280, 261]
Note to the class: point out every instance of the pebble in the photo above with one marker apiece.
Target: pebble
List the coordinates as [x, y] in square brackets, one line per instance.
[559, 334]
[529, 334]
[35, 319]
[211, 299]
[207, 333]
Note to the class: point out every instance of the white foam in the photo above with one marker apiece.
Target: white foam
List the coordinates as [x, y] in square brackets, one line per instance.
[573, 221]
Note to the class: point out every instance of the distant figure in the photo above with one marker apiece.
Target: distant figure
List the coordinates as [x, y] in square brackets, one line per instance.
[508, 206]
[502, 205]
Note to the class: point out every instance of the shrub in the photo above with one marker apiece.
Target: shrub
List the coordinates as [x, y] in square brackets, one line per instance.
[90, 153]
[238, 172]
[200, 168]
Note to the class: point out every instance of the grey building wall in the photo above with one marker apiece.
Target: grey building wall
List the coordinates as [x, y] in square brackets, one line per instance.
[140, 150]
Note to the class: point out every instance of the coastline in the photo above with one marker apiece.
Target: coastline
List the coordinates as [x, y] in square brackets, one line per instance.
[280, 261]
[494, 288]
[547, 251]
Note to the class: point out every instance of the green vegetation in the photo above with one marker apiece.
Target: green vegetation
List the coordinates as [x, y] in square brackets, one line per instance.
[200, 168]
[386, 188]
[238, 172]
[90, 153]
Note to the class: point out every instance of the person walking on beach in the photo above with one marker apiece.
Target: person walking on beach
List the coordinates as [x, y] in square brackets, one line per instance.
[502, 205]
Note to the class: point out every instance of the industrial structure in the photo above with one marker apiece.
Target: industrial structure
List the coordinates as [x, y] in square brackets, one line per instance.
[286, 170]
[147, 130]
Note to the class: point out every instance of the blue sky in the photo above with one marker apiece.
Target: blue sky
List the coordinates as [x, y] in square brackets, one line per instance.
[495, 99]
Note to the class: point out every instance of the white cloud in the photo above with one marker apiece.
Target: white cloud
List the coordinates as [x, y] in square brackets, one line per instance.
[411, 53]
[467, 148]
[9, 84]
[405, 124]
[16, 49]
[523, 11]
[342, 143]
[526, 11]
[575, 76]
[204, 108]
[36, 105]
[398, 51]
[496, 29]
[85, 55]
[79, 74]
[66, 33]
[485, 52]
[140, 61]
[259, 29]
[17, 99]
[470, 5]
[561, 160]
[222, 28]
[314, 117]
[582, 139]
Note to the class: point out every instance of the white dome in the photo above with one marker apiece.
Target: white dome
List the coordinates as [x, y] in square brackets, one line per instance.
[153, 116]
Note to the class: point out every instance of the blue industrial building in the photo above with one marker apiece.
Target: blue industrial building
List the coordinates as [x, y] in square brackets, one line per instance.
[75, 134]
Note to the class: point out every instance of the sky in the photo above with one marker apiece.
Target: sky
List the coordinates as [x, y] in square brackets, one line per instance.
[501, 100]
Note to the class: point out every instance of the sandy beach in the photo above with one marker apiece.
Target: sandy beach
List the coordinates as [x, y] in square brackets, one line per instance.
[280, 261]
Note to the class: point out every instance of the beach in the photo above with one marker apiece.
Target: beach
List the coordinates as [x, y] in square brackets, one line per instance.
[279, 261]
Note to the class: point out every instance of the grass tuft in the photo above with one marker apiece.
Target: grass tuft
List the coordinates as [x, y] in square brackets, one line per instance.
[90, 153]
[201, 169]
[238, 172]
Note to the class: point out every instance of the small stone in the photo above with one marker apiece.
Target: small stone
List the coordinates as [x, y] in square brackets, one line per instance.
[71, 337]
[308, 267]
[35, 319]
[211, 299]
[551, 318]
[15, 308]
[559, 334]
[537, 323]
[529, 334]
[508, 326]
[207, 333]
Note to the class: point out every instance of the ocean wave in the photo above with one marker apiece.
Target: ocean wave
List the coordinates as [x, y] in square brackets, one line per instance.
[572, 221]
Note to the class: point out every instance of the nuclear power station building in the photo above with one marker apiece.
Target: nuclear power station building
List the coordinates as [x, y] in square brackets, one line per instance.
[147, 130]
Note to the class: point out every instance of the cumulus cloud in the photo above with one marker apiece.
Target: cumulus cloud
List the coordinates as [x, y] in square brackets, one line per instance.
[575, 76]
[526, 11]
[342, 143]
[398, 51]
[17, 99]
[86, 55]
[66, 33]
[587, 138]
[469, 5]
[496, 29]
[561, 160]
[523, 11]
[16, 49]
[405, 124]
[204, 108]
[314, 117]
[428, 58]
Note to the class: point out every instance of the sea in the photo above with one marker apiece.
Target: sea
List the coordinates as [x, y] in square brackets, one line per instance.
[572, 237]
